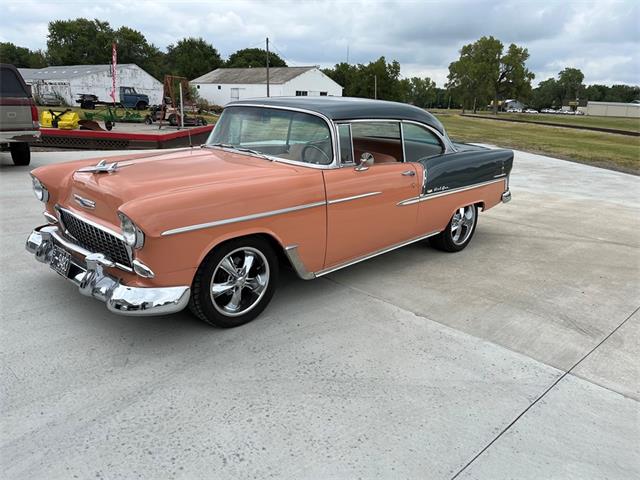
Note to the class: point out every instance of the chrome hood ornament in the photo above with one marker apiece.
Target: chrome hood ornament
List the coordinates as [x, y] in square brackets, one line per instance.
[101, 167]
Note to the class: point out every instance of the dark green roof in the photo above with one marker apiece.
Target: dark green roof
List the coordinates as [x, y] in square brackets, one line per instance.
[350, 108]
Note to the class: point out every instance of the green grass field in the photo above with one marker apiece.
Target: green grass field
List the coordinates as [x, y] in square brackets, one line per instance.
[617, 152]
[618, 123]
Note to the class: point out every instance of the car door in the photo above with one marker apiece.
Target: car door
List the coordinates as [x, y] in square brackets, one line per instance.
[363, 211]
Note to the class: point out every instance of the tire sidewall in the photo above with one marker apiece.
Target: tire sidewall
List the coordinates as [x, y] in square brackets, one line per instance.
[448, 234]
[207, 269]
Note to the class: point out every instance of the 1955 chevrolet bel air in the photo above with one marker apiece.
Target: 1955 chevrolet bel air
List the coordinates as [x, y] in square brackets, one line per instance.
[318, 183]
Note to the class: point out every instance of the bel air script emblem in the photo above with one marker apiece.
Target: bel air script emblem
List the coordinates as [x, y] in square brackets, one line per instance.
[84, 202]
[441, 188]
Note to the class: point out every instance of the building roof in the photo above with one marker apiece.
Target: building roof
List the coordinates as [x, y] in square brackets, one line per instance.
[349, 108]
[66, 72]
[277, 75]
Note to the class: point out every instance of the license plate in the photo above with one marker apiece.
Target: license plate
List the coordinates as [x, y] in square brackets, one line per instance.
[60, 261]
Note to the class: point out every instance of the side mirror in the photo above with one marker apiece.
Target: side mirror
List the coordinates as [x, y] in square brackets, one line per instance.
[364, 162]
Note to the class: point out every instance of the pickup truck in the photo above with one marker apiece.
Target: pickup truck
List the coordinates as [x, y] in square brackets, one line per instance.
[128, 98]
[19, 124]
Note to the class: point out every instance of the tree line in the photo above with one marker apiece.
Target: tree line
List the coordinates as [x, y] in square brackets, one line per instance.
[486, 71]
[88, 42]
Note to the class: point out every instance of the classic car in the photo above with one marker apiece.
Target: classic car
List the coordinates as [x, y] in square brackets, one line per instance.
[315, 183]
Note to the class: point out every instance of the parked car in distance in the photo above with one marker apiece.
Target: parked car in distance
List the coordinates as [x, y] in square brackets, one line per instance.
[132, 99]
[530, 110]
[321, 183]
[514, 110]
[19, 126]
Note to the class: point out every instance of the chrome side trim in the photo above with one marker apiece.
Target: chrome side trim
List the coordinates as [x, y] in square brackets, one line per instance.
[244, 218]
[429, 196]
[296, 262]
[355, 197]
[292, 254]
[374, 254]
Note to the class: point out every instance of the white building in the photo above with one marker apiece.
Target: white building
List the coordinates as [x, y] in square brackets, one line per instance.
[225, 85]
[69, 81]
[613, 109]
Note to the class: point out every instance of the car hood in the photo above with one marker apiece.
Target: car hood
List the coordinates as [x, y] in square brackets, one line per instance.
[157, 175]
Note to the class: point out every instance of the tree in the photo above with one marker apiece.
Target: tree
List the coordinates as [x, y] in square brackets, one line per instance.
[252, 58]
[21, 57]
[570, 82]
[420, 92]
[79, 42]
[376, 78]
[547, 94]
[134, 48]
[192, 57]
[484, 72]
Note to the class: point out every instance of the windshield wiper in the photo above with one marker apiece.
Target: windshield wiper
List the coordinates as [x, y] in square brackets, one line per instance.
[240, 149]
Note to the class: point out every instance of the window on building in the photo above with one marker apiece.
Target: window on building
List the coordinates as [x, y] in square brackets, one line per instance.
[323, 94]
[219, 87]
[301, 93]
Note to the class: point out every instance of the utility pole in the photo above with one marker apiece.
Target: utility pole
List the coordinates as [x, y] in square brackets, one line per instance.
[267, 66]
[375, 87]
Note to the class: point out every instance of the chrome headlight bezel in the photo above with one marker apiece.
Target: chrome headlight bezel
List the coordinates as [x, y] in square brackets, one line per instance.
[39, 190]
[132, 235]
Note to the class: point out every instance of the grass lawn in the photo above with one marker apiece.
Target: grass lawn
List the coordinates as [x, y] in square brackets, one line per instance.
[618, 123]
[617, 152]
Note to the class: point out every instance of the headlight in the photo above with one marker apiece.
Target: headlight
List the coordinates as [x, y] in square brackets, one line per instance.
[39, 190]
[132, 235]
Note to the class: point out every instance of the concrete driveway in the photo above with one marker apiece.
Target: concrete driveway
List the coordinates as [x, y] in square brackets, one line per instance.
[516, 358]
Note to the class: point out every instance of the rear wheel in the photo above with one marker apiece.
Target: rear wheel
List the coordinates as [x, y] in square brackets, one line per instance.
[459, 231]
[141, 106]
[235, 282]
[20, 153]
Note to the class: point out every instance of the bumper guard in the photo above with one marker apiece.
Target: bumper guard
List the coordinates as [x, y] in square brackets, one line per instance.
[92, 281]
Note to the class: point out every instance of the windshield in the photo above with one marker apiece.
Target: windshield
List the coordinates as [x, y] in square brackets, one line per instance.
[278, 133]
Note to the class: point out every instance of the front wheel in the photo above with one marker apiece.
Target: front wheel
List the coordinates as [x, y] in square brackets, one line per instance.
[235, 282]
[459, 230]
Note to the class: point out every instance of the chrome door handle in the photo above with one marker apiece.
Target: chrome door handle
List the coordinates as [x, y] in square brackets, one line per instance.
[409, 173]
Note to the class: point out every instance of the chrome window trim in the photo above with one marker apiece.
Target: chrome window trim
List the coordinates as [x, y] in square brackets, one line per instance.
[244, 218]
[353, 156]
[354, 197]
[332, 131]
[404, 152]
[445, 143]
[429, 196]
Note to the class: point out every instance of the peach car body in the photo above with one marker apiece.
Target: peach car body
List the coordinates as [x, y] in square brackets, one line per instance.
[321, 217]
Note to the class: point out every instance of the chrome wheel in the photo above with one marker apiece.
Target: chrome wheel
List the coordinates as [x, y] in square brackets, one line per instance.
[239, 281]
[462, 224]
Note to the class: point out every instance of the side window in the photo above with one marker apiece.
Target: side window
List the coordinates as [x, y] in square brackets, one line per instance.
[380, 139]
[420, 142]
[346, 151]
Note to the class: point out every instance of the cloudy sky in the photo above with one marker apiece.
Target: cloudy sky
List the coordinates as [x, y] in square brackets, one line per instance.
[601, 37]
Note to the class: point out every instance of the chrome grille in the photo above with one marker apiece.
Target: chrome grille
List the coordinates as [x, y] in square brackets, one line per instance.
[95, 239]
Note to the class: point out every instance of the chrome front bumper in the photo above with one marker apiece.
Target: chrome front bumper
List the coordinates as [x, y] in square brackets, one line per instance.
[92, 281]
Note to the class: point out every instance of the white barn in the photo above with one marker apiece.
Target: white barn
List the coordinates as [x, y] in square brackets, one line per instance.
[225, 85]
[71, 80]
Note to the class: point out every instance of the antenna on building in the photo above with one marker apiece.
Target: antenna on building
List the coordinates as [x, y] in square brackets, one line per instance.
[267, 66]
